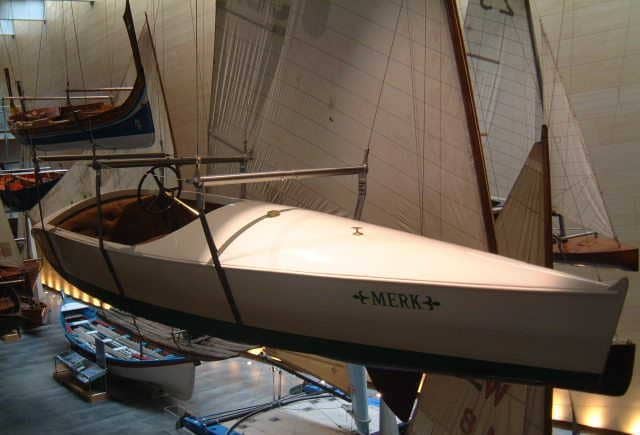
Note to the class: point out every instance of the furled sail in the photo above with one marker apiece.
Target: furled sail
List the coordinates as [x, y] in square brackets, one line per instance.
[574, 189]
[503, 66]
[79, 182]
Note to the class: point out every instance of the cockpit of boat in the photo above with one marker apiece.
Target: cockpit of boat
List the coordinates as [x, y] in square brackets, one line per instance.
[127, 220]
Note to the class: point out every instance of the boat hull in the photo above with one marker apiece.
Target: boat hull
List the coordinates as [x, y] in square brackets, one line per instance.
[25, 199]
[175, 376]
[176, 379]
[559, 338]
[134, 129]
[596, 251]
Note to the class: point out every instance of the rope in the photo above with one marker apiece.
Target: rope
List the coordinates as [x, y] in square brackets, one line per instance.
[384, 78]
[75, 31]
[64, 37]
[18, 61]
[42, 33]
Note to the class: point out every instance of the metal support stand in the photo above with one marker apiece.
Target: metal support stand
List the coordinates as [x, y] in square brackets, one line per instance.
[388, 423]
[358, 379]
[358, 373]
[362, 187]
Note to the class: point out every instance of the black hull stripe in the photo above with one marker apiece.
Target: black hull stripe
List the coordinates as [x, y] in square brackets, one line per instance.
[613, 381]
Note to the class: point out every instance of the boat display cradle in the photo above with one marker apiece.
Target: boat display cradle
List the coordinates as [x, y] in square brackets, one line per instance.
[80, 375]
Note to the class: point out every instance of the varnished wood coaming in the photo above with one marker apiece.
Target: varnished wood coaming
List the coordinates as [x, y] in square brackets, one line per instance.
[596, 250]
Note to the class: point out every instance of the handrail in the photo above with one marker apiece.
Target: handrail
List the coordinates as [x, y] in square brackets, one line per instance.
[86, 157]
[108, 89]
[178, 161]
[263, 177]
[56, 98]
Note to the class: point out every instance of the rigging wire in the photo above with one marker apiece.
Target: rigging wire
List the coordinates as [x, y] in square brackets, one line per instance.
[43, 32]
[20, 70]
[197, 73]
[384, 78]
[77, 40]
[64, 38]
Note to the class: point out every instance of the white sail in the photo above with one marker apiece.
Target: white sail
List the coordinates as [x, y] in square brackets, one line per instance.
[574, 189]
[346, 77]
[9, 254]
[79, 182]
[502, 63]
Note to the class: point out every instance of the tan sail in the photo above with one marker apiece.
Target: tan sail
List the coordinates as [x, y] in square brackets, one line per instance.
[345, 78]
[522, 230]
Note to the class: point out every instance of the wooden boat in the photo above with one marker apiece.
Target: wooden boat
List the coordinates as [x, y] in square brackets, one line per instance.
[310, 282]
[17, 279]
[19, 190]
[127, 125]
[596, 250]
[126, 356]
[18, 309]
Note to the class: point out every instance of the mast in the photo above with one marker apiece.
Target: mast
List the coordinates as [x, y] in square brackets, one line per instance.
[472, 122]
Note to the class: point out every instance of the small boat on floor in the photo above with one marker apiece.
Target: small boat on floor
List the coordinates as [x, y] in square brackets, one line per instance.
[18, 310]
[313, 282]
[19, 190]
[126, 355]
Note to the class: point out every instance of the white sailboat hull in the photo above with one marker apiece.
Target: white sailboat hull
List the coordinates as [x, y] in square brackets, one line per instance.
[303, 280]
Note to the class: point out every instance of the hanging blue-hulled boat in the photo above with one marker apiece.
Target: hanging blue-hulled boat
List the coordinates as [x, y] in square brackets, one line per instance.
[127, 125]
[126, 356]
